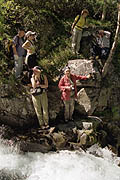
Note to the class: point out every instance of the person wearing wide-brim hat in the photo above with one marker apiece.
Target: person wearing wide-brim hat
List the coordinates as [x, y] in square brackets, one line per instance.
[77, 30]
[40, 101]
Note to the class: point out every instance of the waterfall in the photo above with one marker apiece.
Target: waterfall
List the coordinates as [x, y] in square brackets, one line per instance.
[63, 165]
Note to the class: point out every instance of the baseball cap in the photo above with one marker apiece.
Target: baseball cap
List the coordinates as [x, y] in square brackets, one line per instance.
[37, 68]
[30, 33]
[67, 68]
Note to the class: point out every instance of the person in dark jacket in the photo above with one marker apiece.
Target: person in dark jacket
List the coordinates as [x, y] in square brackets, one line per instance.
[18, 51]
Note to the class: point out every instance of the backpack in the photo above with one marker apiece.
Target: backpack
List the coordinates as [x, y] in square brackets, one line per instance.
[9, 48]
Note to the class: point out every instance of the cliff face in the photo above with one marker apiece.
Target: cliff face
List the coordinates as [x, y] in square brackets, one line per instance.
[94, 96]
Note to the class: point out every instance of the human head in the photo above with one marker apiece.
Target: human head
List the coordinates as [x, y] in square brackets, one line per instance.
[67, 71]
[84, 12]
[21, 32]
[37, 69]
[30, 35]
[101, 32]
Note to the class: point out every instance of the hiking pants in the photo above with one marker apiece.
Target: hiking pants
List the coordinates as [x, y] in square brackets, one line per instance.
[40, 103]
[18, 66]
[69, 108]
[76, 38]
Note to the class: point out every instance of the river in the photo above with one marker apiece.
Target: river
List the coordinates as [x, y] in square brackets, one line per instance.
[63, 165]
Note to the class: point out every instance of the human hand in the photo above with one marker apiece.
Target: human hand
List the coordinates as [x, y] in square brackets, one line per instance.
[68, 87]
[88, 76]
[16, 57]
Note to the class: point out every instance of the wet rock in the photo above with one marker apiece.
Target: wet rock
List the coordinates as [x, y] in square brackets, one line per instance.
[59, 140]
[6, 174]
[34, 147]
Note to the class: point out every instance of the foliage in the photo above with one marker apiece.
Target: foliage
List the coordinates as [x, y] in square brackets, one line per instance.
[52, 21]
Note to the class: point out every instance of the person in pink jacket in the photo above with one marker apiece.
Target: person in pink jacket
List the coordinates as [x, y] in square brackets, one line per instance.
[67, 85]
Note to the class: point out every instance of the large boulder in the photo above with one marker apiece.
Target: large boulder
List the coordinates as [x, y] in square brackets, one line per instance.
[16, 108]
[88, 89]
[94, 95]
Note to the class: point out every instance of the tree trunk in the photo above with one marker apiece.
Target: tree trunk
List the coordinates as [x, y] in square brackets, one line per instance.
[104, 10]
[112, 51]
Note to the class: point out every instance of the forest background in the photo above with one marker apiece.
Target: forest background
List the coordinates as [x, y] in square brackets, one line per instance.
[52, 21]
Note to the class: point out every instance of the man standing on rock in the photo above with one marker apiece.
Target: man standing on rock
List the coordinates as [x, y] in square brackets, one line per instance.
[67, 85]
[77, 30]
[19, 52]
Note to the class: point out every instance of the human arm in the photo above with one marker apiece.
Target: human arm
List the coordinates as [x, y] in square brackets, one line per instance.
[45, 85]
[107, 34]
[27, 45]
[82, 77]
[15, 42]
[35, 84]
[75, 21]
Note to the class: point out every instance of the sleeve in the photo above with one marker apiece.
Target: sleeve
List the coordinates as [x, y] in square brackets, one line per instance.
[61, 84]
[15, 40]
[107, 33]
[76, 18]
[80, 77]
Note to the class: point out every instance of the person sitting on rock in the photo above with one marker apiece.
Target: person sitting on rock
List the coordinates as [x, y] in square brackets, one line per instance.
[102, 47]
[67, 85]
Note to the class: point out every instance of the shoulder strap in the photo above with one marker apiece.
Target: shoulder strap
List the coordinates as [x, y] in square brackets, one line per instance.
[17, 37]
[76, 21]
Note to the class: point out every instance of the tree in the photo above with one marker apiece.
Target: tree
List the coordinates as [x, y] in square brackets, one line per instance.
[112, 51]
[104, 10]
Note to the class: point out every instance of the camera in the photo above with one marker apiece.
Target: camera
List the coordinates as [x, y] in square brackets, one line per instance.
[72, 88]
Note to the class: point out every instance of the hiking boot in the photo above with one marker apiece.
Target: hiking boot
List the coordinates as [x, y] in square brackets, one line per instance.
[71, 119]
[66, 120]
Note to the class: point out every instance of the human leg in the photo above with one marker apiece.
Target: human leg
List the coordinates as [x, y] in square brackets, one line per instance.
[72, 105]
[37, 106]
[66, 110]
[79, 36]
[74, 40]
[44, 103]
[18, 67]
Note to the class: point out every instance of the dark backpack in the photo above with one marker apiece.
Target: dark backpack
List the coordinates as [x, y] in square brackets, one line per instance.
[9, 48]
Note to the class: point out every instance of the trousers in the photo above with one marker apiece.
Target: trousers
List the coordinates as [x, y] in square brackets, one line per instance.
[40, 103]
[69, 108]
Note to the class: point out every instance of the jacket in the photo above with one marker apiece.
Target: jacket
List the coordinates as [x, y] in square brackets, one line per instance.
[65, 82]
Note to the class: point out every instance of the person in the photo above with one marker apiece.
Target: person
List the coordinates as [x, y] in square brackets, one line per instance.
[31, 58]
[18, 52]
[40, 101]
[77, 30]
[67, 85]
[102, 46]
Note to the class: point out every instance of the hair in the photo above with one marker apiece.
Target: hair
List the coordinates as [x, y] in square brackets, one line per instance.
[21, 29]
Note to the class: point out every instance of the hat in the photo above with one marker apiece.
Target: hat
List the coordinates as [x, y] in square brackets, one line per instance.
[37, 68]
[67, 68]
[101, 31]
[30, 33]
[84, 11]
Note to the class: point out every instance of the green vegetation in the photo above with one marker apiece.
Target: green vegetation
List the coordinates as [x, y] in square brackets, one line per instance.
[52, 21]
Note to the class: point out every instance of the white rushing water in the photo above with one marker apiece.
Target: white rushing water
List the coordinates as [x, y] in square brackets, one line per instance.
[64, 165]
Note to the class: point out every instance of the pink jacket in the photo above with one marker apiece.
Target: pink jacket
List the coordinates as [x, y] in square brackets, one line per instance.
[64, 81]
